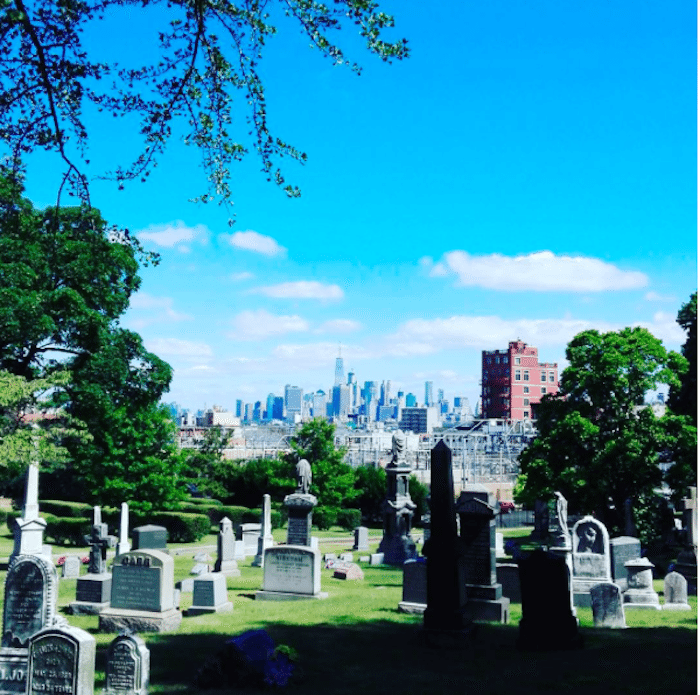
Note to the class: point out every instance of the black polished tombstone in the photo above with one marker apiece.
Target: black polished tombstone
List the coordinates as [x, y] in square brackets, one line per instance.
[446, 585]
[548, 621]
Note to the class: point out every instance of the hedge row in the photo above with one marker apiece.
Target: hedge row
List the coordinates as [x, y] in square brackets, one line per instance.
[75, 510]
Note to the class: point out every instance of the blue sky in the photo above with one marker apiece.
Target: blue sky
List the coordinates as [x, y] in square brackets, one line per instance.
[529, 172]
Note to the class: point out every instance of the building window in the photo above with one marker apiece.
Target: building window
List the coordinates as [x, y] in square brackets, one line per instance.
[526, 401]
[543, 376]
[526, 413]
[517, 360]
[543, 389]
[517, 375]
[551, 377]
[526, 389]
[486, 374]
[526, 375]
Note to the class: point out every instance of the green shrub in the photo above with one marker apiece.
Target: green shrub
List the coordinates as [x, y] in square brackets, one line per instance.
[325, 517]
[12, 517]
[181, 527]
[349, 519]
[253, 517]
[204, 501]
[211, 510]
[3, 515]
[232, 512]
[67, 530]
[75, 510]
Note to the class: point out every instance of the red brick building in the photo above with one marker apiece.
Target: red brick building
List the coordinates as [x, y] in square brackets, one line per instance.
[513, 381]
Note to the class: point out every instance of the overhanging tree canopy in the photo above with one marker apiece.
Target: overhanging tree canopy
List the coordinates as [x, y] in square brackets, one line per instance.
[209, 52]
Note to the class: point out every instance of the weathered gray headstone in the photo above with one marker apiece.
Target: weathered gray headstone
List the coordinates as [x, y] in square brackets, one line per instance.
[346, 557]
[209, 595]
[61, 660]
[128, 666]
[640, 592]
[142, 598]
[675, 592]
[150, 537]
[199, 569]
[361, 538]
[249, 534]
[376, 559]
[591, 558]
[71, 567]
[414, 598]
[291, 572]
[226, 550]
[606, 602]
[348, 570]
[623, 549]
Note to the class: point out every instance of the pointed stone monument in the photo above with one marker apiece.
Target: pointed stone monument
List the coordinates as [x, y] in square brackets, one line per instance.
[226, 550]
[29, 529]
[124, 546]
[265, 539]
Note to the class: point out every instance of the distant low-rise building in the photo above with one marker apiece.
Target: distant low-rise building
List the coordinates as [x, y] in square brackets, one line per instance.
[419, 420]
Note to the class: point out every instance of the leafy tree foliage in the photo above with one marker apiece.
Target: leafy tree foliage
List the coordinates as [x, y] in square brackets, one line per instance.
[65, 279]
[333, 479]
[683, 400]
[209, 53]
[597, 443]
[202, 465]
[370, 482]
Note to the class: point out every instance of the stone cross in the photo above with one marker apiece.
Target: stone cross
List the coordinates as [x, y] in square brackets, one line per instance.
[99, 540]
[690, 517]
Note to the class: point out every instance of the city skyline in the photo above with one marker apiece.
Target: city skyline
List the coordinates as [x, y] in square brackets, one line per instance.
[528, 173]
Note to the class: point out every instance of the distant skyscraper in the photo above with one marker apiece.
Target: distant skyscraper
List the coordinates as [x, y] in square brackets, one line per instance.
[320, 403]
[411, 400]
[293, 396]
[278, 408]
[428, 393]
[341, 400]
[270, 406]
[239, 408]
[339, 371]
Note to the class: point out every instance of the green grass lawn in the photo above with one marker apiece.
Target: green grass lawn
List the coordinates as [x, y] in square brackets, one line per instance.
[357, 641]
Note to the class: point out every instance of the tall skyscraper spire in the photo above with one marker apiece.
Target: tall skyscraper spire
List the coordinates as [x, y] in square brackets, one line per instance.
[339, 369]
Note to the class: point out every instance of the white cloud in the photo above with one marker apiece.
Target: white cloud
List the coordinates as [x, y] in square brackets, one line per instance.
[239, 277]
[160, 309]
[339, 326]
[303, 289]
[260, 324]
[656, 297]
[253, 241]
[314, 355]
[174, 347]
[665, 328]
[541, 272]
[174, 233]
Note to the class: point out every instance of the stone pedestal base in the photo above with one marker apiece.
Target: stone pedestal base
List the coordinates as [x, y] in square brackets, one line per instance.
[414, 608]
[87, 607]
[582, 590]
[228, 568]
[94, 588]
[13, 670]
[284, 596]
[495, 610]
[553, 636]
[397, 549]
[676, 607]
[200, 610]
[117, 619]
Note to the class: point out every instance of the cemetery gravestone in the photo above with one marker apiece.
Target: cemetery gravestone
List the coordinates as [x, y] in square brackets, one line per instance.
[142, 597]
[210, 595]
[687, 562]
[414, 598]
[61, 660]
[226, 550]
[541, 529]
[265, 539]
[640, 592]
[128, 666]
[361, 538]
[124, 546]
[71, 567]
[622, 550]
[29, 529]
[675, 592]
[249, 534]
[291, 572]
[591, 558]
[348, 570]
[606, 602]
[92, 591]
[398, 507]
[548, 622]
[150, 537]
[476, 508]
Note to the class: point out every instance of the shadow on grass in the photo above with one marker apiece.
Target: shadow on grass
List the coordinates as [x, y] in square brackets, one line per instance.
[380, 656]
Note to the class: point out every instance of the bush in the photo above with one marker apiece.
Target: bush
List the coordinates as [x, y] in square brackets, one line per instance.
[234, 513]
[182, 528]
[203, 501]
[75, 510]
[67, 530]
[349, 519]
[324, 517]
[255, 515]
[3, 515]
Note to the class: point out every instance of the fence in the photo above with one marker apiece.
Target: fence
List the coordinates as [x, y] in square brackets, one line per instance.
[518, 517]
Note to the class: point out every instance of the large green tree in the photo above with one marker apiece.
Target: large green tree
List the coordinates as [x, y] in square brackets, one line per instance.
[204, 85]
[66, 277]
[333, 479]
[683, 400]
[597, 443]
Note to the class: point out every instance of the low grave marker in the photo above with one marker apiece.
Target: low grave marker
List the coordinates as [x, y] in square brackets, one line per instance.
[128, 666]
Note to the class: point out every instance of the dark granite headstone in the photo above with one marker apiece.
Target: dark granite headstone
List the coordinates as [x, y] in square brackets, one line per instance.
[94, 588]
[548, 622]
[150, 537]
[128, 666]
[30, 599]
[446, 585]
